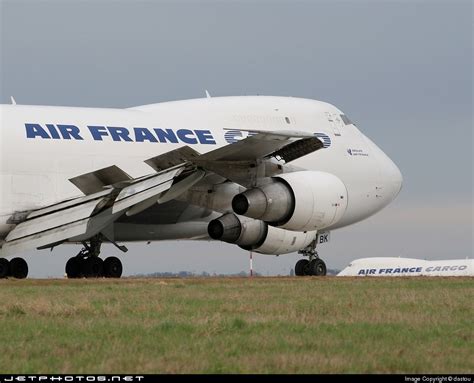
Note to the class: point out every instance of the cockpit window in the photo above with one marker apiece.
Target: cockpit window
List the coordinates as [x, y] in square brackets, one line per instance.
[346, 120]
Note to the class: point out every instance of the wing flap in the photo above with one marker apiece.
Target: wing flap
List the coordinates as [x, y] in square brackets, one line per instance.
[53, 220]
[67, 204]
[80, 218]
[172, 158]
[146, 188]
[43, 238]
[95, 181]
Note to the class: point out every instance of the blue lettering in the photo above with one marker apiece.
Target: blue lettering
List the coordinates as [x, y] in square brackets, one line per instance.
[183, 136]
[35, 130]
[142, 134]
[413, 270]
[381, 271]
[389, 271]
[463, 267]
[418, 269]
[70, 131]
[119, 134]
[397, 270]
[361, 272]
[97, 132]
[205, 137]
[372, 271]
[405, 270]
[53, 132]
[166, 135]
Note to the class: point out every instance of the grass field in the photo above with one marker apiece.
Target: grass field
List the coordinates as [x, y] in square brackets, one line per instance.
[238, 325]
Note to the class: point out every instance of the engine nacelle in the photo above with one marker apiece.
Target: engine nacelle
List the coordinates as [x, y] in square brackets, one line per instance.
[256, 235]
[303, 200]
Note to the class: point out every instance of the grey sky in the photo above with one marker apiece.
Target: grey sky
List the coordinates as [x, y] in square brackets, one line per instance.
[401, 70]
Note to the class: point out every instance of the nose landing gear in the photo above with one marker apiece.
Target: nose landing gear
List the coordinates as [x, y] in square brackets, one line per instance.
[312, 266]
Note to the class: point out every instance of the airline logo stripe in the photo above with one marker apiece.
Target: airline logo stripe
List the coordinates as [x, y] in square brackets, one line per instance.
[232, 136]
[325, 139]
[139, 134]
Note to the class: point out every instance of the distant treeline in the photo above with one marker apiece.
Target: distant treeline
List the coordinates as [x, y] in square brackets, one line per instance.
[204, 274]
[189, 274]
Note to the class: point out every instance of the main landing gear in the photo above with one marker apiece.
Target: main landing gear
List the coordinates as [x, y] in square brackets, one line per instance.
[16, 268]
[87, 263]
[312, 266]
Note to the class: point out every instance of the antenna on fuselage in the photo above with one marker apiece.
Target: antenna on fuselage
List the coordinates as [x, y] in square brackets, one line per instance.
[207, 94]
[12, 99]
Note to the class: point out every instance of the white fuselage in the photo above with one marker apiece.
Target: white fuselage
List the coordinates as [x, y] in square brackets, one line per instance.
[398, 267]
[42, 147]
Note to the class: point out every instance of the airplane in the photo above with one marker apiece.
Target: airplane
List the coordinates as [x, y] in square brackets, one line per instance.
[268, 174]
[397, 267]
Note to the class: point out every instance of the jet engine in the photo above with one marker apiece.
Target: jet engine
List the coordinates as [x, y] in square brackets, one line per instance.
[299, 201]
[256, 235]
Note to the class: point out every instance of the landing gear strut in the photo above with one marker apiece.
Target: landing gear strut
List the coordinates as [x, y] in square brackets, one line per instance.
[312, 266]
[87, 263]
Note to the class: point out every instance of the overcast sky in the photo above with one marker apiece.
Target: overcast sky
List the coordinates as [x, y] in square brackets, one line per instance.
[402, 70]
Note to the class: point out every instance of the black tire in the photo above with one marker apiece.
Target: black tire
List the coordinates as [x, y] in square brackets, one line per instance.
[317, 267]
[18, 268]
[4, 268]
[73, 267]
[300, 267]
[112, 267]
[92, 267]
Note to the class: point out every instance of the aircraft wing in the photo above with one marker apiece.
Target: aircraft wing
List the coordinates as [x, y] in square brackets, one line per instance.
[81, 218]
[247, 160]
[260, 144]
[110, 192]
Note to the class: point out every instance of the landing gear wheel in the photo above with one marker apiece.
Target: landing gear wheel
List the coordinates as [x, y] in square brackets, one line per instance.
[317, 267]
[18, 268]
[301, 266]
[112, 267]
[73, 267]
[4, 268]
[92, 267]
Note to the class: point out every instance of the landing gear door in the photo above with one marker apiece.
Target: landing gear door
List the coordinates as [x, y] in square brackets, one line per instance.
[335, 122]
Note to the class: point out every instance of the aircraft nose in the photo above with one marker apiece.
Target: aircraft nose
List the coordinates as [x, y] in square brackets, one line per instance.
[396, 178]
[400, 179]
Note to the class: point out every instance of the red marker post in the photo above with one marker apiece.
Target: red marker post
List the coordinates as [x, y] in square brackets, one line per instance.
[251, 265]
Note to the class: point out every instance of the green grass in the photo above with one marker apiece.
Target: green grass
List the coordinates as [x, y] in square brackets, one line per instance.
[238, 325]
